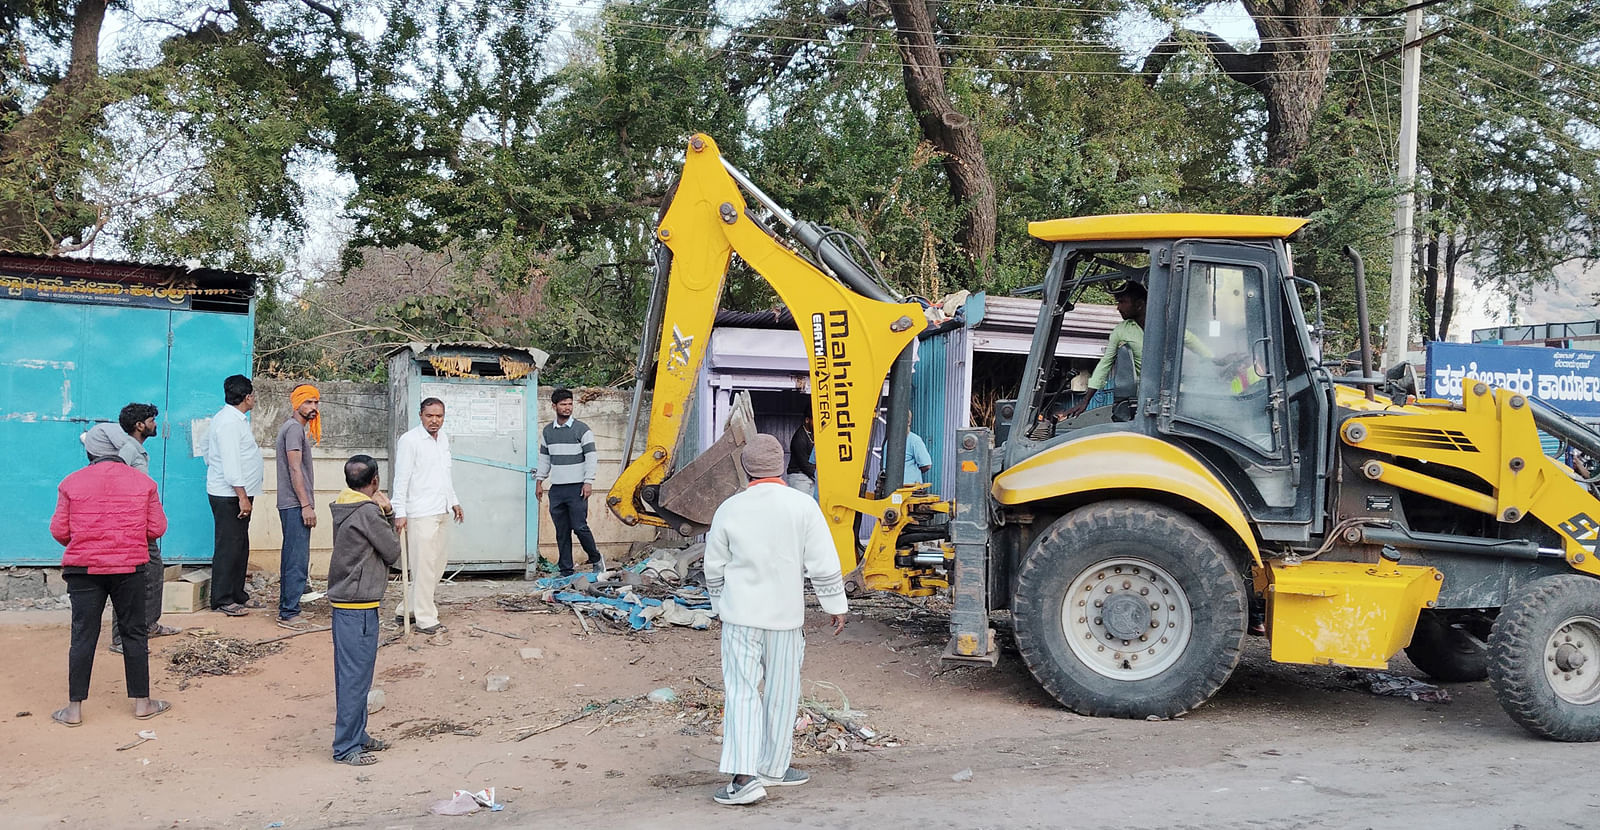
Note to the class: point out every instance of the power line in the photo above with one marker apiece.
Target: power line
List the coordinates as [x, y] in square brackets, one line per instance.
[1485, 56]
[1595, 78]
[1452, 97]
[1527, 98]
[900, 64]
[1527, 22]
[1026, 44]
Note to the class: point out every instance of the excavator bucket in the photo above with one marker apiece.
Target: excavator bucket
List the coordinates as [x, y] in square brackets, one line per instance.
[696, 490]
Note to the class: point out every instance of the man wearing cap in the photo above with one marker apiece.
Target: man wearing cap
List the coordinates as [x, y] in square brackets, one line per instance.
[762, 546]
[136, 423]
[568, 461]
[106, 515]
[296, 492]
[1131, 299]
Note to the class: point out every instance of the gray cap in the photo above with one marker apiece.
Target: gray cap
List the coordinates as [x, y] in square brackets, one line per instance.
[763, 457]
[103, 440]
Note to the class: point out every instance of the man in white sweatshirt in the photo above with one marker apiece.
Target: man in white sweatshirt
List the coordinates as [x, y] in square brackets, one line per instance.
[763, 544]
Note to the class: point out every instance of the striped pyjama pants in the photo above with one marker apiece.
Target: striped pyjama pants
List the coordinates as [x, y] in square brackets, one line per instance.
[761, 697]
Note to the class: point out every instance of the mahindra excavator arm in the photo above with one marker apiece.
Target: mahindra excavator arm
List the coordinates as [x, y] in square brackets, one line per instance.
[851, 341]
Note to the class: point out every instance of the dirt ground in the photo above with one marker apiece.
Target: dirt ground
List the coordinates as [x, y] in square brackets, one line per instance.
[1279, 747]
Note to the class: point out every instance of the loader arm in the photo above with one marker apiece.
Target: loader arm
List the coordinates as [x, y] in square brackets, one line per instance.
[1492, 435]
[851, 343]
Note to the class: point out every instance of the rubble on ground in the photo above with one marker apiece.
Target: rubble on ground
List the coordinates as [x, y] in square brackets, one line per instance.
[203, 652]
[665, 586]
[820, 727]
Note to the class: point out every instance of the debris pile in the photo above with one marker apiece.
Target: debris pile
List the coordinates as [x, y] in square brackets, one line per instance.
[1388, 684]
[820, 727]
[666, 586]
[203, 652]
[824, 727]
[429, 727]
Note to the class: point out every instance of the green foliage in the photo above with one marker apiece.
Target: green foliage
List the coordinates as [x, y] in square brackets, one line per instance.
[506, 162]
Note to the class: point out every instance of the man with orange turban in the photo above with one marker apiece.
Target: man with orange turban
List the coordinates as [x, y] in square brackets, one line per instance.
[297, 508]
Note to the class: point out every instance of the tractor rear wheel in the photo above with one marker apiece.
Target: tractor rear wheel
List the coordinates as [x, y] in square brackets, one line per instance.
[1544, 657]
[1451, 649]
[1129, 609]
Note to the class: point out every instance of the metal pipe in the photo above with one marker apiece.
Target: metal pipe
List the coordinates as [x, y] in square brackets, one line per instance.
[897, 423]
[839, 264]
[648, 344]
[755, 192]
[1563, 426]
[1444, 543]
[1361, 315]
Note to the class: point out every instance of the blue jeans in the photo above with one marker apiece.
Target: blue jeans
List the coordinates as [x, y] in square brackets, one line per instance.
[294, 567]
[355, 655]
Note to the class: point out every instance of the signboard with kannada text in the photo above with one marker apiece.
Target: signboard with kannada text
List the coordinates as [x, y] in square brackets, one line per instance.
[1568, 379]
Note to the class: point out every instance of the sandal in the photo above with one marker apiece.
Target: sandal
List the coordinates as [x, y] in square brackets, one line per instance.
[376, 745]
[60, 716]
[232, 609]
[358, 759]
[165, 631]
[161, 707]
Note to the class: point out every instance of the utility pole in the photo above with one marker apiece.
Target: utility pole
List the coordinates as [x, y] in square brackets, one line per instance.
[1399, 325]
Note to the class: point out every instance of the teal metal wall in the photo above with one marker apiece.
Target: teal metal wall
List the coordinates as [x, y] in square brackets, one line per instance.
[65, 366]
[941, 400]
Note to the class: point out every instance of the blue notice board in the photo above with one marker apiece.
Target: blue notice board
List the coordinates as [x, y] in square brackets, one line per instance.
[1568, 379]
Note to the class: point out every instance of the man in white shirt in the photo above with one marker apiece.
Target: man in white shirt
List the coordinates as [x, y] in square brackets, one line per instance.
[233, 480]
[424, 498]
[762, 545]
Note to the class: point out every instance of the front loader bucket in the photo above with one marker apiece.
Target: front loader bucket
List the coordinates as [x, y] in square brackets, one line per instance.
[695, 491]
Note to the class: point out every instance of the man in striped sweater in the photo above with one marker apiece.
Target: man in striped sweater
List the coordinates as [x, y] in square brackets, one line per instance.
[763, 544]
[568, 462]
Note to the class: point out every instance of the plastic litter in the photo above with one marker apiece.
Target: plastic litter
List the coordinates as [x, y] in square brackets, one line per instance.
[964, 775]
[375, 700]
[497, 683]
[665, 694]
[1388, 684]
[462, 802]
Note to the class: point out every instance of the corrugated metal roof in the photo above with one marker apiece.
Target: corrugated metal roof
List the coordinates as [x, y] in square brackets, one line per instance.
[1022, 314]
[23, 263]
[538, 356]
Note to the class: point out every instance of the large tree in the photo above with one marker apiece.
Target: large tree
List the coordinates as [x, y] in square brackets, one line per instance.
[1288, 69]
[1509, 149]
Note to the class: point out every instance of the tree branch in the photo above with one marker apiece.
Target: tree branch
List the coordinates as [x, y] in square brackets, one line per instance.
[1248, 68]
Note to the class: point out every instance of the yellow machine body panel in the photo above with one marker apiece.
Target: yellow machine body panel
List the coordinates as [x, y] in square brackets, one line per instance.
[851, 342]
[1164, 226]
[1491, 435]
[1344, 613]
[1122, 461]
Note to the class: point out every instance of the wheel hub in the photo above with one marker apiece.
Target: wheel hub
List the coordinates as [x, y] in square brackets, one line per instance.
[1566, 656]
[1126, 618]
[1569, 657]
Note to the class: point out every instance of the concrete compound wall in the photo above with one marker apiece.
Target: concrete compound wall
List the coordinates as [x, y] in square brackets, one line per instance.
[355, 420]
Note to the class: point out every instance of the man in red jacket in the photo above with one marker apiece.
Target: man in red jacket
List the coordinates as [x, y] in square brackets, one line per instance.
[106, 515]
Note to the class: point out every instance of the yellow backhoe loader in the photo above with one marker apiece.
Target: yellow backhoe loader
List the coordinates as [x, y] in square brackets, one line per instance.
[1128, 542]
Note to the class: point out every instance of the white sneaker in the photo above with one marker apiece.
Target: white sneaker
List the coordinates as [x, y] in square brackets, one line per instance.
[791, 778]
[748, 793]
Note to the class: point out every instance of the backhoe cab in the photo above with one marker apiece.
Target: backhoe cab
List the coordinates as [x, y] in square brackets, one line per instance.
[1231, 465]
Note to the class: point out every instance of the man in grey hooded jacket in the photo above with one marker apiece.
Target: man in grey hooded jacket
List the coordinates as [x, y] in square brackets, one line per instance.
[364, 547]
